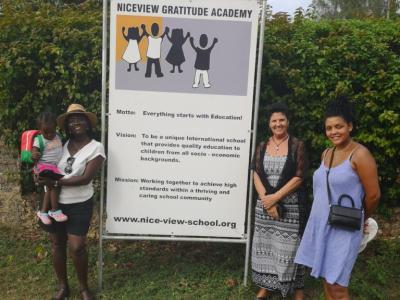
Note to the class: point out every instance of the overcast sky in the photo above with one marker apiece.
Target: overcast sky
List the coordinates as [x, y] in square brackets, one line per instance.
[288, 5]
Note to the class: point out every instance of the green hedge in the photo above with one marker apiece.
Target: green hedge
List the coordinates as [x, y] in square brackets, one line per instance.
[51, 57]
[307, 63]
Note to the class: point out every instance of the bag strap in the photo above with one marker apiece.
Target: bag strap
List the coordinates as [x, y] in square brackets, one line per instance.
[327, 175]
[327, 181]
[350, 157]
[41, 143]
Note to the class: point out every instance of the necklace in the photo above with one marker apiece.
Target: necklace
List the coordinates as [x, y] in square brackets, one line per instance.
[278, 144]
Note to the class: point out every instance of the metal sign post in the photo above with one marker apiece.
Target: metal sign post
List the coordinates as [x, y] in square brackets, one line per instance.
[104, 55]
[253, 145]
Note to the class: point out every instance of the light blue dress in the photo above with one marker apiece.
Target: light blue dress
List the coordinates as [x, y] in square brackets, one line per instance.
[331, 251]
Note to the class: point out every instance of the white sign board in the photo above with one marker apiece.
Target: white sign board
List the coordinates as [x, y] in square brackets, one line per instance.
[180, 115]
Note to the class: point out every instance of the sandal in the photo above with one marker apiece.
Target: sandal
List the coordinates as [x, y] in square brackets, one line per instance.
[87, 295]
[62, 293]
[58, 215]
[44, 217]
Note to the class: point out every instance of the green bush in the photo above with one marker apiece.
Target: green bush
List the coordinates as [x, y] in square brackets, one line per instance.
[307, 63]
[51, 56]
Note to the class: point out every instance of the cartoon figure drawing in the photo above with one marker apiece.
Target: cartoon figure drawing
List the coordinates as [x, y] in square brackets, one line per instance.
[175, 55]
[154, 49]
[132, 54]
[202, 63]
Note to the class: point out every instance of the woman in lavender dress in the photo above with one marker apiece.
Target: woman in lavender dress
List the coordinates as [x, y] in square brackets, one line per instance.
[328, 250]
[279, 168]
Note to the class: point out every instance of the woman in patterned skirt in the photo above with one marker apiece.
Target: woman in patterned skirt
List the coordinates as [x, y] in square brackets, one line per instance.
[280, 214]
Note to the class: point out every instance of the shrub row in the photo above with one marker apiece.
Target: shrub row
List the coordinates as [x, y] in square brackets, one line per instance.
[49, 57]
[307, 63]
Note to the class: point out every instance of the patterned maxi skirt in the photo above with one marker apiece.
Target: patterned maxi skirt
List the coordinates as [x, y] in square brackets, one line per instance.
[275, 242]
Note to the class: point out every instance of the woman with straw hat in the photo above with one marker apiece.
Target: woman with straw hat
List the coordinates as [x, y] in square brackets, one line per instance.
[82, 157]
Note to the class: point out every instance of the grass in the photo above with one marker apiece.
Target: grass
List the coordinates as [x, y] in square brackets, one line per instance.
[170, 270]
[173, 270]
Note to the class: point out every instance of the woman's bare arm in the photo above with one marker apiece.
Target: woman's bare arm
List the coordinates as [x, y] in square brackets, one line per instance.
[364, 164]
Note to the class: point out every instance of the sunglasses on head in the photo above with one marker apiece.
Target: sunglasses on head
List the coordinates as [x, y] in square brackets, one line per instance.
[68, 168]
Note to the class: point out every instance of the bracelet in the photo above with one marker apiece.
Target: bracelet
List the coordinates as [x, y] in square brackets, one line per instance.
[55, 183]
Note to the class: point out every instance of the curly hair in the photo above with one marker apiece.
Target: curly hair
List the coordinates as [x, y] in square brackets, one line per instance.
[340, 107]
[278, 107]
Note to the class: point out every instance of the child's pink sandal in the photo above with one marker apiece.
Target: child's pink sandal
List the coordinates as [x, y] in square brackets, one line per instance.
[44, 217]
[58, 215]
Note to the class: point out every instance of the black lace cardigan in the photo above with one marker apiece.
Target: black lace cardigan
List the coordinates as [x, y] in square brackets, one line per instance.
[295, 166]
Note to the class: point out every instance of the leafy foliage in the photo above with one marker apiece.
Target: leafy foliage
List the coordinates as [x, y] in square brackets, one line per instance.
[307, 63]
[347, 9]
[51, 56]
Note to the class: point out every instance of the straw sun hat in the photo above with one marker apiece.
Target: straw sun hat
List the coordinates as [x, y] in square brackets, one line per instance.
[75, 108]
[369, 234]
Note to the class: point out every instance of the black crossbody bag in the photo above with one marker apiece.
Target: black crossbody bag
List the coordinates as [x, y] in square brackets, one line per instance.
[345, 217]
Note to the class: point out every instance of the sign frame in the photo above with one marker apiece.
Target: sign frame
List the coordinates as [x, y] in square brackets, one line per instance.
[246, 239]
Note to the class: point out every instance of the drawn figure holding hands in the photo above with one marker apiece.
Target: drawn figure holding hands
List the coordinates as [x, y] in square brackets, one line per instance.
[154, 49]
[202, 64]
[175, 55]
[132, 53]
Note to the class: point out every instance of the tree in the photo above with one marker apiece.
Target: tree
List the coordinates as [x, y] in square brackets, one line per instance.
[349, 9]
